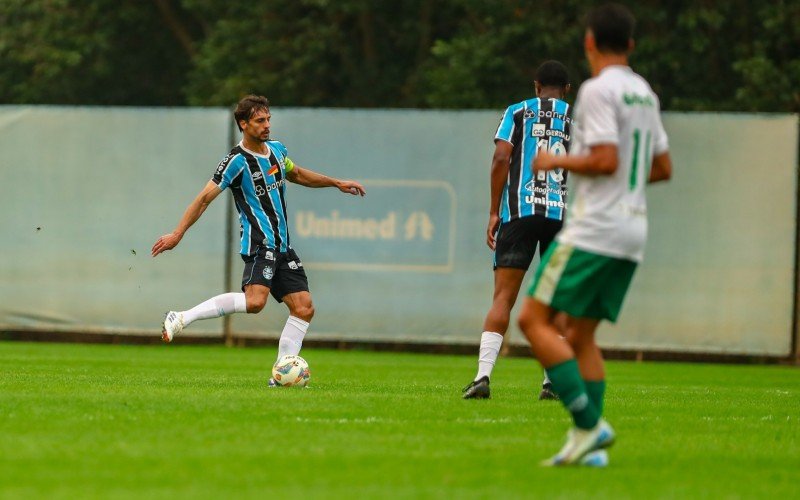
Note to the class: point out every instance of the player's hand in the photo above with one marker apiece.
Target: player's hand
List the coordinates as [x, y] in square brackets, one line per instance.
[544, 161]
[491, 231]
[351, 187]
[166, 242]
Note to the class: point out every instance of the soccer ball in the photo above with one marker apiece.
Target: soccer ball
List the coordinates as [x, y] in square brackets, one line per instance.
[291, 370]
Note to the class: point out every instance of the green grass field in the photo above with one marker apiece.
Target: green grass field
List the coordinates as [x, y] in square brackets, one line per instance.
[102, 421]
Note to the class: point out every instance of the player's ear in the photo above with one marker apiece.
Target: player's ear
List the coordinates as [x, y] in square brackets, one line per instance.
[537, 87]
[631, 45]
[567, 88]
[589, 43]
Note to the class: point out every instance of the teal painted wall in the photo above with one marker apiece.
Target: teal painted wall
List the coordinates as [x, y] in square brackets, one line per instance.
[408, 261]
[101, 184]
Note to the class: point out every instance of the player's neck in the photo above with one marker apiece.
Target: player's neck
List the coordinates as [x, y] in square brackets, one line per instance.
[254, 146]
[602, 61]
[550, 94]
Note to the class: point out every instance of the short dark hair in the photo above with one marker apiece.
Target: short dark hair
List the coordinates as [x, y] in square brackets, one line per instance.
[612, 26]
[552, 74]
[248, 106]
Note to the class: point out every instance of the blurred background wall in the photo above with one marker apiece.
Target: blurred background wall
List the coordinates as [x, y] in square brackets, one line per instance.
[86, 191]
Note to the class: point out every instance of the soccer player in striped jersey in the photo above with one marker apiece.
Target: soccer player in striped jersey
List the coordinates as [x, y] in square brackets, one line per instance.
[255, 170]
[526, 209]
[619, 146]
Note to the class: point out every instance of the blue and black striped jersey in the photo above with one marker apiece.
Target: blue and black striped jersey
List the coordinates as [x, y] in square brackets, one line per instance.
[257, 183]
[529, 126]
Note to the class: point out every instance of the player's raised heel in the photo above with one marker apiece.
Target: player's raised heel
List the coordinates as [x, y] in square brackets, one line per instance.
[173, 325]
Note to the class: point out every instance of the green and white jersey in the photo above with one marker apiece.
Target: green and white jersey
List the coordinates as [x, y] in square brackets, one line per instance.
[608, 214]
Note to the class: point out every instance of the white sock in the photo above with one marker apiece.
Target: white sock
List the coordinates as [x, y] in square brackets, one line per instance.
[221, 305]
[487, 356]
[292, 337]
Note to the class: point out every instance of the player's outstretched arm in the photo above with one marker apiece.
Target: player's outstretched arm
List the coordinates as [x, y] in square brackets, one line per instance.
[309, 178]
[661, 170]
[190, 216]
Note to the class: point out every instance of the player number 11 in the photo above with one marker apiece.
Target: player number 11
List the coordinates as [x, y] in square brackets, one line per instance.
[635, 163]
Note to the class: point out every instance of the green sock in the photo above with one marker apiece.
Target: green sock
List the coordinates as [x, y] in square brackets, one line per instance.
[569, 386]
[596, 389]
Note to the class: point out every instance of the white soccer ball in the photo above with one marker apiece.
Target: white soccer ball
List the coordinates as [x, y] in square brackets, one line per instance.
[291, 371]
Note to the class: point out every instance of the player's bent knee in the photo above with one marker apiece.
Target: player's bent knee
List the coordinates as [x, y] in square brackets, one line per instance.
[255, 305]
[530, 318]
[580, 341]
[525, 320]
[304, 312]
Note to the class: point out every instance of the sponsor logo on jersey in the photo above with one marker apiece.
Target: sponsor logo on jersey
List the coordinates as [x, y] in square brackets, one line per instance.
[292, 264]
[557, 133]
[261, 191]
[257, 175]
[224, 162]
[554, 114]
[269, 255]
[534, 200]
[273, 170]
[632, 99]
[533, 188]
[539, 129]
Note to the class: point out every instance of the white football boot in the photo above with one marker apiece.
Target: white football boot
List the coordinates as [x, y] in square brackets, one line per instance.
[596, 458]
[173, 325]
[581, 442]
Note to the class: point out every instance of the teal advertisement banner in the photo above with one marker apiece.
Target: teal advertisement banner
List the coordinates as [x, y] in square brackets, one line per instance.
[410, 226]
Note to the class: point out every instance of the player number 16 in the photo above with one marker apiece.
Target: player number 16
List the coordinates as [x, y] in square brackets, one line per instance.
[556, 148]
